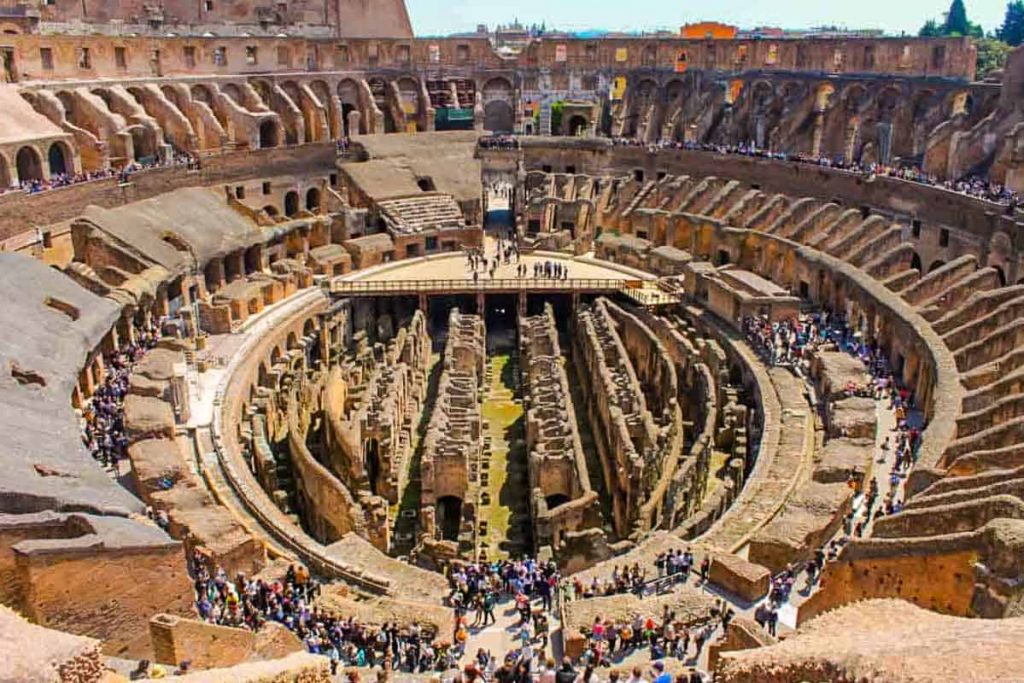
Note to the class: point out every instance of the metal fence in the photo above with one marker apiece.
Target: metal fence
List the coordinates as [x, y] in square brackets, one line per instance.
[480, 286]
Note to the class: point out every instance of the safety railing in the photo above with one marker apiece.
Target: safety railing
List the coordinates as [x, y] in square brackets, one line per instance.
[481, 285]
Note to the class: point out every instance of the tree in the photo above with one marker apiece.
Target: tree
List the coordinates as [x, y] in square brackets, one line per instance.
[931, 29]
[956, 20]
[1012, 30]
[992, 55]
[954, 24]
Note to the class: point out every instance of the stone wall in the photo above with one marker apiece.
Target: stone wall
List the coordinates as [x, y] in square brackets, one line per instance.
[557, 466]
[208, 646]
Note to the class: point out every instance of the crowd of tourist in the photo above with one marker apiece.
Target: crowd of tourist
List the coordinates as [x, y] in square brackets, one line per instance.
[791, 343]
[103, 429]
[973, 186]
[33, 186]
[499, 142]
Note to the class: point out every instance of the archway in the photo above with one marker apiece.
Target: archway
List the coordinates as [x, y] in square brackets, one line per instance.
[313, 200]
[449, 517]
[268, 135]
[346, 108]
[371, 463]
[58, 159]
[271, 211]
[577, 124]
[498, 116]
[291, 204]
[915, 263]
[30, 166]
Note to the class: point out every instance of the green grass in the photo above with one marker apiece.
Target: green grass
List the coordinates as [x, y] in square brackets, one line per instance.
[509, 495]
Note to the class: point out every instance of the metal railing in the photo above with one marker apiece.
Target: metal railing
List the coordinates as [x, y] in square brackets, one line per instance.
[482, 285]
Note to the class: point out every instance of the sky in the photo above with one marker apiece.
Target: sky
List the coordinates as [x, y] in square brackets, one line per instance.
[440, 17]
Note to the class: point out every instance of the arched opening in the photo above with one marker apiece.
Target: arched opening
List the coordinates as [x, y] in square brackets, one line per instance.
[449, 517]
[252, 259]
[371, 464]
[577, 125]
[5, 175]
[1001, 274]
[143, 144]
[498, 116]
[292, 342]
[555, 500]
[58, 159]
[271, 210]
[935, 266]
[30, 166]
[263, 378]
[268, 135]
[275, 356]
[309, 328]
[915, 262]
[313, 200]
[291, 204]
[346, 108]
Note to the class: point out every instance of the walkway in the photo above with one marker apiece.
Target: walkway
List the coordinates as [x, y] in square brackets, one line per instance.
[504, 499]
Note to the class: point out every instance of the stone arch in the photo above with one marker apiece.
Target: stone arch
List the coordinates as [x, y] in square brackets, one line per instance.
[291, 203]
[1001, 274]
[263, 90]
[348, 93]
[269, 134]
[915, 262]
[271, 211]
[675, 89]
[887, 102]
[29, 163]
[498, 116]
[232, 91]
[855, 98]
[577, 123]
[60, 159]
[313, 200]
[144, 142]
[201, 93]
[309, 328]
[762, 95]
[5, 172]
[293, 341]
[263, 375]
[275, 356]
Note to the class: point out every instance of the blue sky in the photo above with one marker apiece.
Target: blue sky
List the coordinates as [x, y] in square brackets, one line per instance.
[431, 17]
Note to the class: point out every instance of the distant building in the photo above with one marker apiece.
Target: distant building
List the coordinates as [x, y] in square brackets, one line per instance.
[708, 29]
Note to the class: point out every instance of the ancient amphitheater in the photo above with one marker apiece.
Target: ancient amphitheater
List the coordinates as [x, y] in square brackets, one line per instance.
[323, 344]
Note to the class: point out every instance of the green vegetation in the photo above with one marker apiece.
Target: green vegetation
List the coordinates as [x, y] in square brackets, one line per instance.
[1012, 30]
[954, 23]
[992, 55]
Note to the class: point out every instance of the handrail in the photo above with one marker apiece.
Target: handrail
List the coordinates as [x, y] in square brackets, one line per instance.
[373, 287]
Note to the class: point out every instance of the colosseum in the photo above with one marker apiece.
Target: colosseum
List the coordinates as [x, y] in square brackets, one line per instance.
[345, 354]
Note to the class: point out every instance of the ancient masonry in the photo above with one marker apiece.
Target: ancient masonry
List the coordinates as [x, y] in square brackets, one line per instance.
[637, 422]
[453, 446]
[566, 511]
[285, 196]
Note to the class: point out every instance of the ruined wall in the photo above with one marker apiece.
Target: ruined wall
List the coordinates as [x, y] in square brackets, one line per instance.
[85, 593]
[206, 646]
[453, 443]
[557, 467]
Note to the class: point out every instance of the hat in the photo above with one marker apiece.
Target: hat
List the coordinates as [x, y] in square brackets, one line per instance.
[660, 666]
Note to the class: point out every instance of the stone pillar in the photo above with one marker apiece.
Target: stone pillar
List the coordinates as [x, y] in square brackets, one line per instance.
[481, 306]
[521, 304]
[214, 275]
[424, 304]
[354, 117]
[478, 113]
